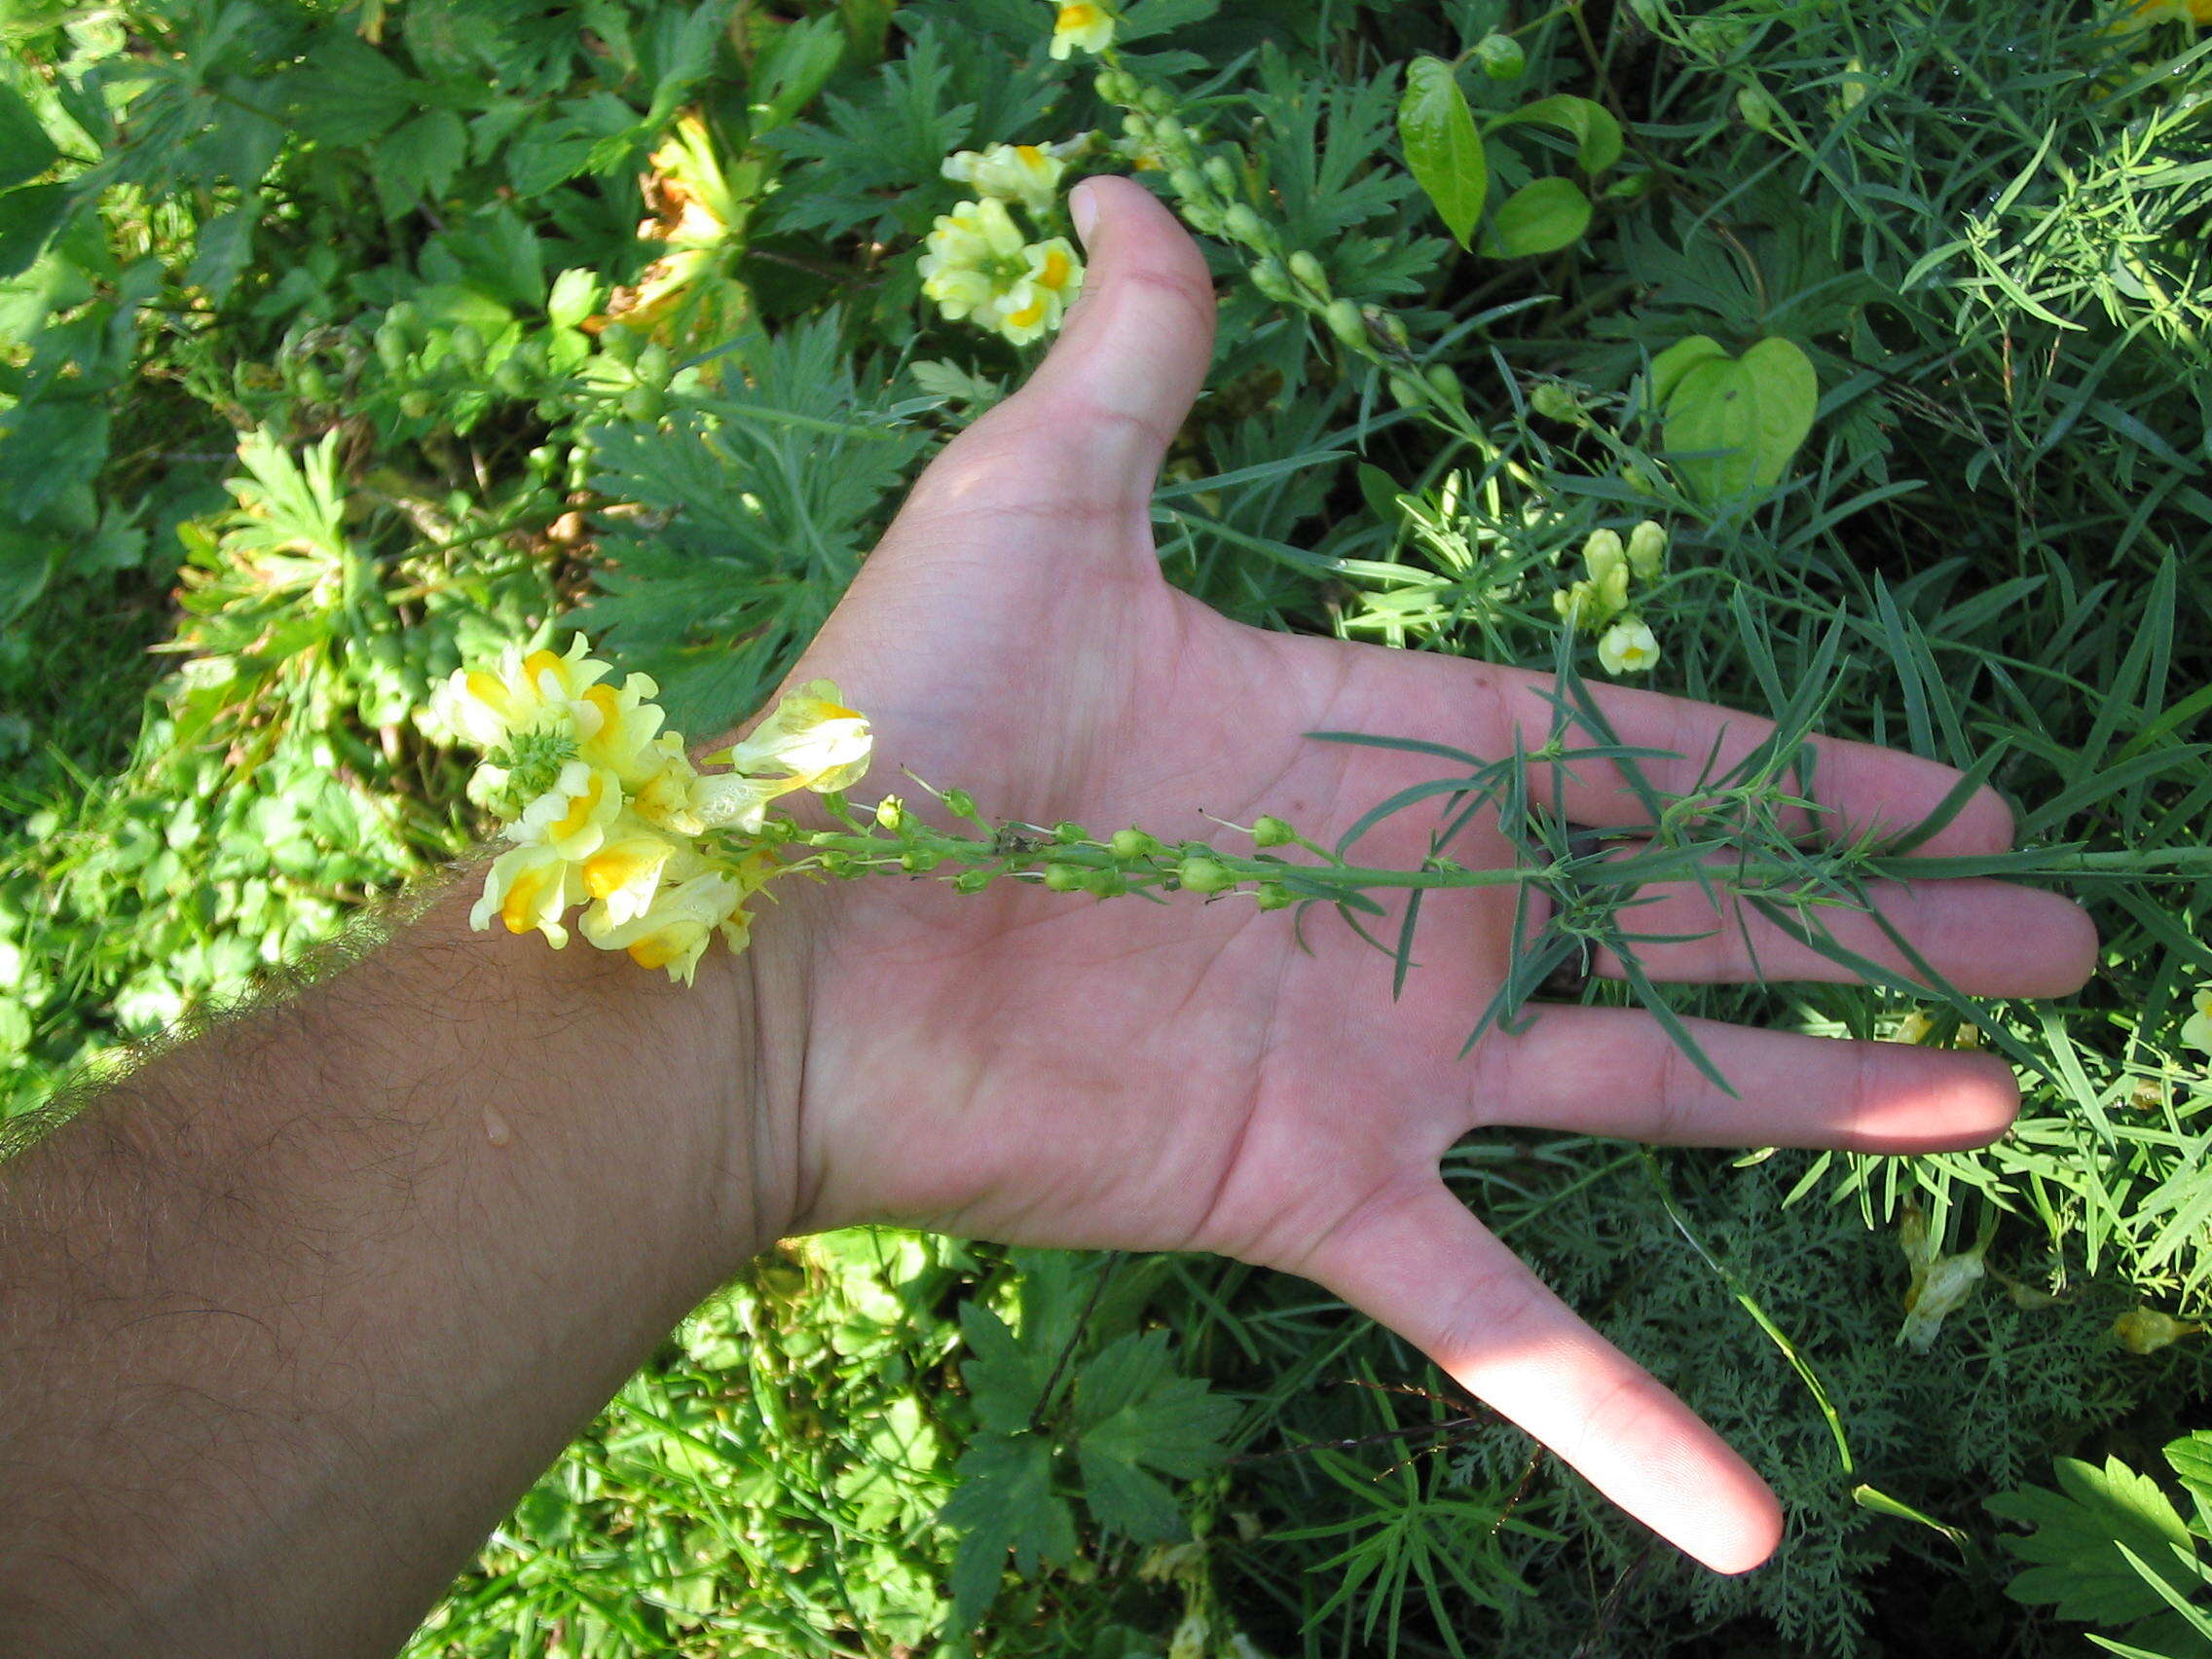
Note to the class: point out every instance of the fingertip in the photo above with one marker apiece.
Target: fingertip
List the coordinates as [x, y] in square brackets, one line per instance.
[2075, 961]
[1757, 1536]
[1986, 824]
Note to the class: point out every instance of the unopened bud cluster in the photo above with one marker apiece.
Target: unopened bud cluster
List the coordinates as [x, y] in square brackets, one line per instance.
[1216, 192]
[1598, 604]
[1061, 857]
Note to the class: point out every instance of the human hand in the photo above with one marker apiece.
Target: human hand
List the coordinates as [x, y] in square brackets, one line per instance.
[1038, 1068]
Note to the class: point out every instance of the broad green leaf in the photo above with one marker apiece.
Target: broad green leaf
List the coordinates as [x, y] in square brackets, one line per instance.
[29, 218]
[1443, 148]
[26, 151]
[2075, 1561]
[575, 297]
[1538, 218]
[1596, 133]
[1736, 423]
[1677, 360]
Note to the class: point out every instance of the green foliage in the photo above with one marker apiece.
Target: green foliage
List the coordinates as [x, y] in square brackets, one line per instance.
[2109, 1548]
[1124, 1419]
[331, 353]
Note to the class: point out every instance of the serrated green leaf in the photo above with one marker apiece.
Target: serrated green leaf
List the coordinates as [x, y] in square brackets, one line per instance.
[1003, 1502]
[2075, 1564]
[418, 159]
[1538, 218]
[2191, 1458]
[1131, 1406]
[1443, 150]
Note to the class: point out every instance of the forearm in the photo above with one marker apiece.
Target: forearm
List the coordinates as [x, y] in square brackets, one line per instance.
[290, 1316]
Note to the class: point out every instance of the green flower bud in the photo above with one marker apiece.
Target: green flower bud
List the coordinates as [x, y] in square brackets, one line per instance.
[1555, 402]
[1602, 555]
[1133, 844]
[1344, 320]
[1185, 183]
[1068, 831]
[1647, 549]
[960, 803]
[1114, 86]
[1220, 174]
[1202, 215]
[1500, 57]
[1268, 276]
[1154, 99]
[1169, 133]
[1411, 393]
[1306, 271]
[971, 881]
[1244, 226]
[1106, 883]
[1139, 126]
[920, 859]
[1063, 878]
[1199, 874]
[1271, 832]
[1632, 186]
[1757, 111]
[890, 813]
[1387, 324]
[1274, 896]
[1444, 381]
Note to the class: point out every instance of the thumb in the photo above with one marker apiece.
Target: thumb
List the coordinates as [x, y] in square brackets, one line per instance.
[1135, 351]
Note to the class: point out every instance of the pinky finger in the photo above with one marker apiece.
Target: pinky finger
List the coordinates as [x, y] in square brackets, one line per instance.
[1417, 1260]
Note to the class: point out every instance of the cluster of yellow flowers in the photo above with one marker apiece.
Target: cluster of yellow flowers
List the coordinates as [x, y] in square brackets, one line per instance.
[603, 805]
[978, 263]
[1598, 604]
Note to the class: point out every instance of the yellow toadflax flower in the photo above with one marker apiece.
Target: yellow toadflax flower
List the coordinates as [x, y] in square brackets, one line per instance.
[1027, 173]
[977, 266]
[1081, 27]
[530, 887]
[673, 933]
[1629, 647]
[2197, 1029]
[2145, 1330]
[605, 809]
[812, 736]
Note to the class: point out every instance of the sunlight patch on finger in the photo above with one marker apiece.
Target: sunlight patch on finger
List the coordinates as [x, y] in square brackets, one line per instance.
[1426, 1268]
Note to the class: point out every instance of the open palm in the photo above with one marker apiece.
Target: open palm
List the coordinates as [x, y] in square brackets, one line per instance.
[1043, 1068]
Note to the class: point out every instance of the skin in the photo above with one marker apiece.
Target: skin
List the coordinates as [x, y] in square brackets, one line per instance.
[291, 1315]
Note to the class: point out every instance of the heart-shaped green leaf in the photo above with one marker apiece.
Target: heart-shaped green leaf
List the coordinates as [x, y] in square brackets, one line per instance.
[1733, 424]
[1443, 148]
